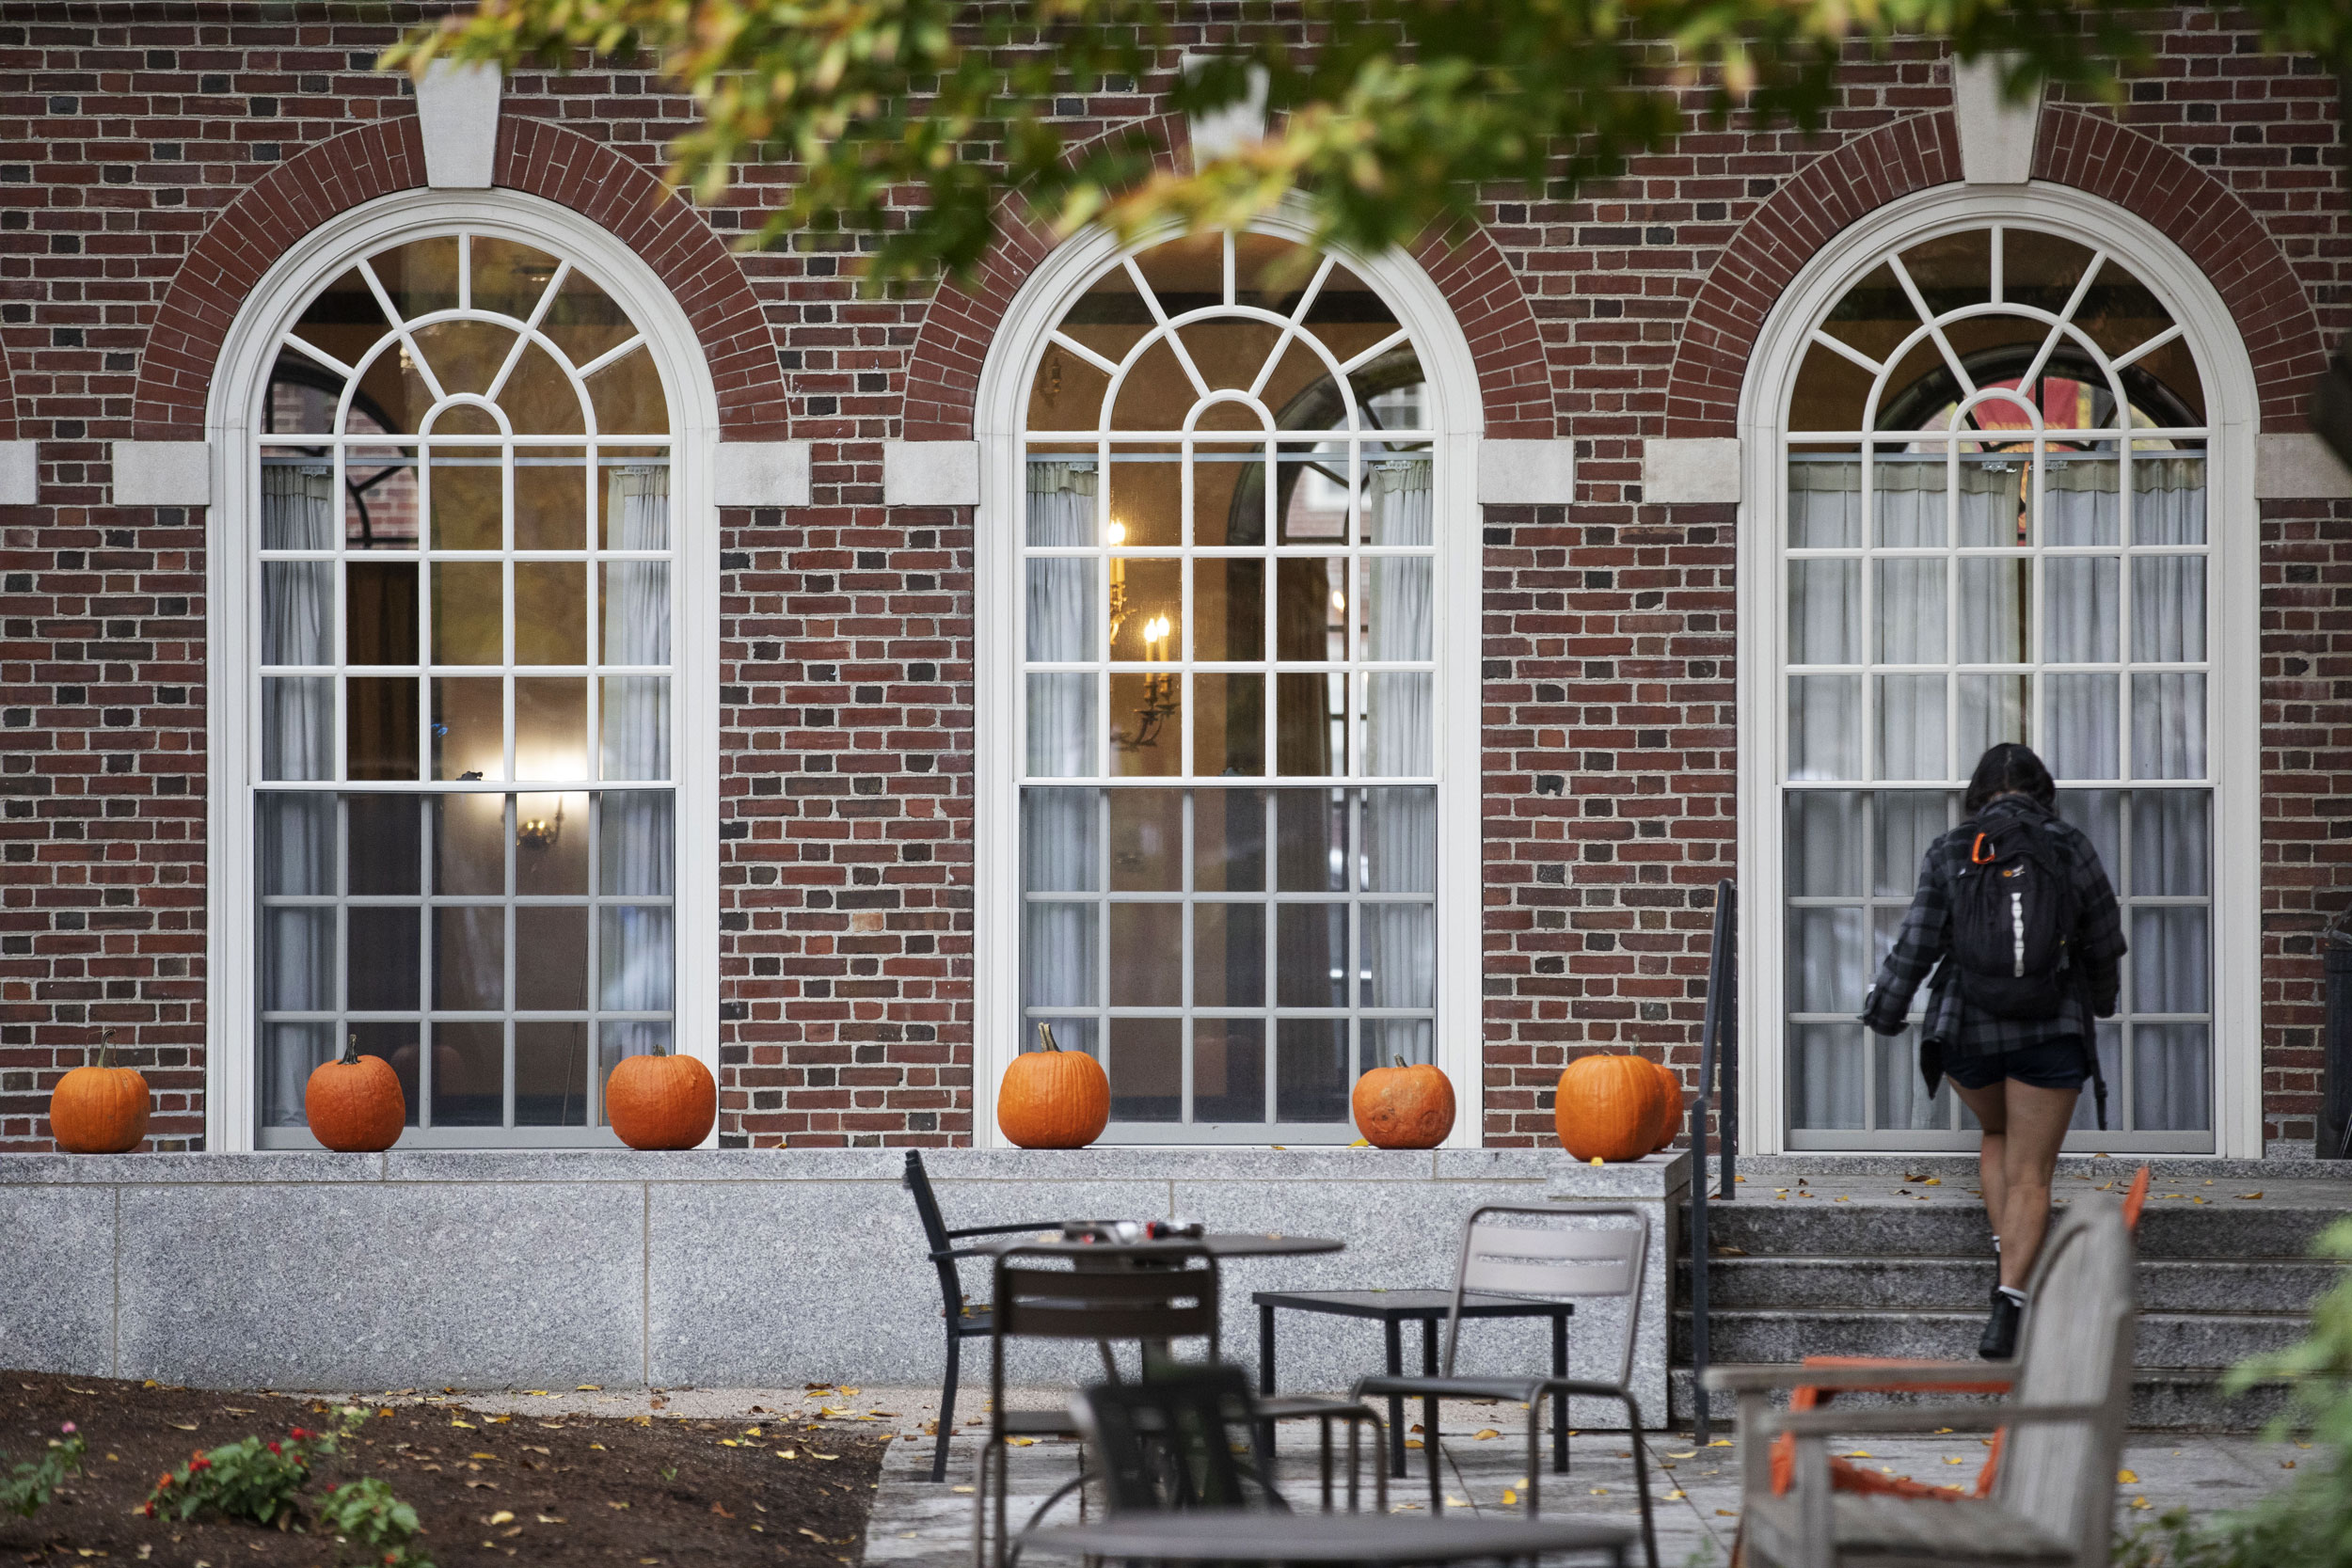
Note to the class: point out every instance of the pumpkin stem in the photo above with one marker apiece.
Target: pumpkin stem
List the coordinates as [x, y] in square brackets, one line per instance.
[106, 1043]
[1398, 1060]
[1046, 1037]
[351, 1050]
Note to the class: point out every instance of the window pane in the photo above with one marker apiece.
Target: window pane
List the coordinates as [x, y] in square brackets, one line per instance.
[298, 729]
[1312, 1074]
[1147, 1068]
[295, 844]
[550, 613]
[1824, 727]
[387, 964]
[2168, 726]
[1229, 1070]
[2171, 1077]
[1828, 965]
[1993, 709]
[1061, 608]
[1060, 852]
[1229, 612]
[1229, 840]
[1826, 843]
[469, 958]
[297, 607]
[2171, 949]
[1147, 944]
[1908, 612]
[551, 724]
[1310, 955]
[1147, 840]
[1911, 727]
[1228, 725]
[379, 724]
[634, 734]
[635, 950]
[469, 844]
[380, 613]
[1904, 824]
[1400, 840]
[2078, 729]
[468, 1074]
[638, 848]
[1398, 721]
[1399, 964]
[2168, 609]
[552, 844]
[386, 836]
[1996, 598]
[552, 504]
[1310, 840]
[466, 505]
[1825, 1076]
[1228, 955]
[2172, 843]
[290, 1053]
[1059, 963]
[550, 1074]
[298, 960]
[2079, 610]
[550, 959]
[469, 728]
[1061, 726]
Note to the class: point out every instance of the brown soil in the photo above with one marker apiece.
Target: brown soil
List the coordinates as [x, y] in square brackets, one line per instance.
[580, 1488]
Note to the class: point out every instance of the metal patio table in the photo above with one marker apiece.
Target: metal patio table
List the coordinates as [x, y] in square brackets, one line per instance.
[1216, 1243]
[1248, 1535]
[1393, 1309]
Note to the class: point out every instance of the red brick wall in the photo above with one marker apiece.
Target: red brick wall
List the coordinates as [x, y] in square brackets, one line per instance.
[151, 162]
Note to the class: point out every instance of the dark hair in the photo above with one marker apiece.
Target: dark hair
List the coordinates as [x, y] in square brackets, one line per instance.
[2010, 767]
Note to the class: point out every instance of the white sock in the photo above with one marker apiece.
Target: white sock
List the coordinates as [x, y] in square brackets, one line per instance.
[1996, 1247]
[2014, 1293]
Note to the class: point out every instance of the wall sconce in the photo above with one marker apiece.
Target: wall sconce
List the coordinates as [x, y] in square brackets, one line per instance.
[540, 832]
[1159, 691]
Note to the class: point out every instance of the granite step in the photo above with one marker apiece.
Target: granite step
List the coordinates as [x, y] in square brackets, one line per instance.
[2209, 1341]
[1962, 1284]
[2222, 1227]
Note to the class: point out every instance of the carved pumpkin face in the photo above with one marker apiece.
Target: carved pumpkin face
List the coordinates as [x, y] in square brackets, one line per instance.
[1404, 1107]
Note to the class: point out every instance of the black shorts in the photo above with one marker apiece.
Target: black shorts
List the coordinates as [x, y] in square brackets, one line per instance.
[2058, 1064]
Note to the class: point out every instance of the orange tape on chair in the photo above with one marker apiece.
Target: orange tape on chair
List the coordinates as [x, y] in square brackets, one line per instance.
[1844, 1475]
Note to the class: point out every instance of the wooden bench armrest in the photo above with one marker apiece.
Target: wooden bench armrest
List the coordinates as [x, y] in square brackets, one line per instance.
[1919, 1418]
[1749, 1380]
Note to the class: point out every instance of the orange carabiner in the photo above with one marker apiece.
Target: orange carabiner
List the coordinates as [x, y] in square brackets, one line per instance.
[1976, 855]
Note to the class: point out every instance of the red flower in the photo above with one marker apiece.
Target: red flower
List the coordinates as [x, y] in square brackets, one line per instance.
[150, 1509]
[298, 1435]
[274, 1448]
[200, 1463]
[160, 1485]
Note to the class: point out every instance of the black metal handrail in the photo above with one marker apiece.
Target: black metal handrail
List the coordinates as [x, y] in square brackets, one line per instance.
[1719, 1090]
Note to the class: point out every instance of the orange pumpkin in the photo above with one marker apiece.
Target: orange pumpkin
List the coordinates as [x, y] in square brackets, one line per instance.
[1669, 1105]
[660, 1101]
[1606, 1107]
[99, 1109]
[1052, 1099]
[354, 1103]
[1404, 1107]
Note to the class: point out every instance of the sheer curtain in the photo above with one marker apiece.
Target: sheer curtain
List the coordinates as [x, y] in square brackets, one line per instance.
[295, 834]
[1058, 826]
[2082, 605]
[634, 852]
[1400, 824]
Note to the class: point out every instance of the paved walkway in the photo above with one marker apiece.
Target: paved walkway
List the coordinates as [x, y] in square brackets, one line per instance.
[1696, 1491]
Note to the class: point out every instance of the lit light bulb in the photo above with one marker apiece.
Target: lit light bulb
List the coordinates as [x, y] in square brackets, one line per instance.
[1339, 600]
[1119, 533]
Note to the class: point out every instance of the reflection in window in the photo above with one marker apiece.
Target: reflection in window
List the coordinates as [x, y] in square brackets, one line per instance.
[465, 819]
[1996, 530]
[1228, 814]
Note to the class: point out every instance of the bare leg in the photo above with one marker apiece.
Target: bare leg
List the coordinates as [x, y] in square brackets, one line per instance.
[2037, 1125]
[1992, 1110]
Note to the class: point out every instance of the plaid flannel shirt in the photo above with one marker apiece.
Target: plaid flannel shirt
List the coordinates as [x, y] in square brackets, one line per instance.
[1923, 947]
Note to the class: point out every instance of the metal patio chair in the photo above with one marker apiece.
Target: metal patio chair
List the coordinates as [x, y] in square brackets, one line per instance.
[964, 1320]
[2051, 1500]
[1154, 1294]
[1536, 1257]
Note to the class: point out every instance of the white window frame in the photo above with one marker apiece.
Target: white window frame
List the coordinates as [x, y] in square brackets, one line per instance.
[1456, 414]
[2233, 528]
[231, 421]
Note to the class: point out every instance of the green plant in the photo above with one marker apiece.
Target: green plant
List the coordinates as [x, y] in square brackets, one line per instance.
[367, 1512]
[252, 1478]
[25, 1489]
[2309, 1523]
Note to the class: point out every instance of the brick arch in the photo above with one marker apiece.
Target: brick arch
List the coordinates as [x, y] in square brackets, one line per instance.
[8, 399]
[1477, 282]
[240, 245]
[2090, 153]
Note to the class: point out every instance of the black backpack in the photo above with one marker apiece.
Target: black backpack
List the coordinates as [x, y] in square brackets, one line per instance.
[2014, 907]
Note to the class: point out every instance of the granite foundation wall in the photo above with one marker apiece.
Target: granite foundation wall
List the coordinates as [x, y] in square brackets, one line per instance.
[725, 1267]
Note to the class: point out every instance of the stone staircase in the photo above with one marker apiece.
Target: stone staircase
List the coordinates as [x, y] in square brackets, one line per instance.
[1855, 1261]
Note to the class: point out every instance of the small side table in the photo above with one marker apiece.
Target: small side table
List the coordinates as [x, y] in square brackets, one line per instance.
[1393, 1309]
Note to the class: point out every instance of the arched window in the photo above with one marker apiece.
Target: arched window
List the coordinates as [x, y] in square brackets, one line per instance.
[1229, 651]
[463, 746]
[1998, 523]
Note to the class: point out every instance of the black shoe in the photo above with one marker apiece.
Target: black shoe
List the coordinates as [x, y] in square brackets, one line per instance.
[2000, 1330]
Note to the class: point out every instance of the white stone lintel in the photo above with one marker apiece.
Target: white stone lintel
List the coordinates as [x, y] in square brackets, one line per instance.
[761, 473]
[2298, 468]
[163, 473]
[1526, 473]
[930, 473]
[1996, 135]
[457, 119]
[1690, 468]
[19, 473]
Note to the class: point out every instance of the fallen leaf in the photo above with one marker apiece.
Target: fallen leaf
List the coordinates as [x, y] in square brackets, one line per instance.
[2141, 1503]
[615, 1505]
[827, 1457]
[721, 1510]
[1933, 1181]
[549, 1518]
[467, 1425]
[2249, 1194]
[480, 1455]
[1725, 1513]
[1022, 1442]
[1692, 1455]
[181, 1426]
[1600, 1491]
[1861, 1453]
[960, 1489]
[590, 1388]
[1956, 1462]
[1509, 1498]
[1409, 1442]
[1453, 1501]
[502, 1516]
[814, 1536]
[2286, 1464]
[1675, 1497]
[1485, 1432]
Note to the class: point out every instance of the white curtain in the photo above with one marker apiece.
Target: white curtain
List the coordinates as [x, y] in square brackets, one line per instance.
[1400, 824]
[1989, 600]
[635, 849]
[295, 834]
[1058, 826]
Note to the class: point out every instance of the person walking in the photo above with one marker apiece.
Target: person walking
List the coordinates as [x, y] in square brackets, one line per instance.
[2016, 932]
